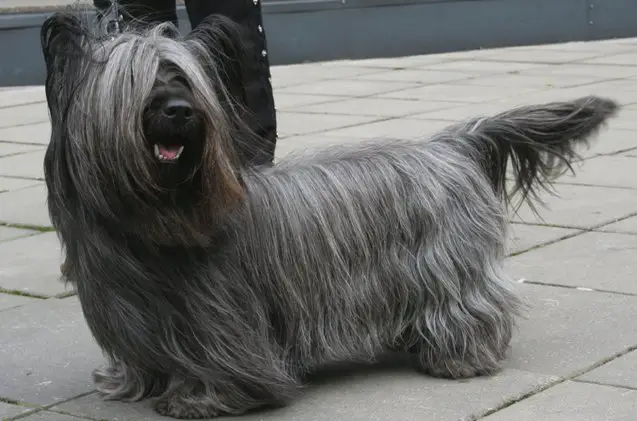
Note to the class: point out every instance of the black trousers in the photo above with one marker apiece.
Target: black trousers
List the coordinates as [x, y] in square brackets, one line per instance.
[256, 87]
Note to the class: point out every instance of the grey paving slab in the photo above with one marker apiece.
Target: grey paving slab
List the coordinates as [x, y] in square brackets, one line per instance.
[422, 76]
[620, 84]
[289, 101]
[630, 107]
[377, 107]
[24, 114]
[404, 62]
[566, 331]
[541, 55]
[401, 128]
[22, 95]
[9, 184]
[283, 76]
[46, 352]
[39, 133]
[579, 206]
[8, 301]
[620, 372]
[627, 119]
[628, 226]
[529, 80]
[572, 401]
[27, 165]
[50, 416]
[10, 148]
[459, 93]
[622, 96]
[624, 41]
[477, 66]
[466, 111]
[611, 141]
[26, 206]
[8, 233]
[579, 69]
[596, 171]
[603, 261]
[602, 47]
[623, 59]
[372, 395]
[32, 265]
[8, 410]
[523, 237]
[353, 88]
[301, 123]
[623, 83]
[308, 143]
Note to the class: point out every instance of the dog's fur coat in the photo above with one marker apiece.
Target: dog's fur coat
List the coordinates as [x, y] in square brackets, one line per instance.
[217, 288]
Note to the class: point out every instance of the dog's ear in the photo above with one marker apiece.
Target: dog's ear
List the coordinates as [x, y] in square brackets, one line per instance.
[221, 41]
[61, 36]
[218, 43]
[62, 40]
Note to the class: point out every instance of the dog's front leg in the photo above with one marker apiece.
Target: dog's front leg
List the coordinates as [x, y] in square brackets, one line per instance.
[120, 381]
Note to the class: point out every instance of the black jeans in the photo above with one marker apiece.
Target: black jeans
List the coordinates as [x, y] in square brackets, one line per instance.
[256, 87]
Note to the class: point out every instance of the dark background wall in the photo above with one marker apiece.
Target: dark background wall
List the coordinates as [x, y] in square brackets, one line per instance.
[313, 30]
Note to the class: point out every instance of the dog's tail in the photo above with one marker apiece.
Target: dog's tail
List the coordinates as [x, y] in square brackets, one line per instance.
[538, 140]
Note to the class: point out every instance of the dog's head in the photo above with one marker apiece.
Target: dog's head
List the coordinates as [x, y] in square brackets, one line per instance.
[143, 125]
[173, 123]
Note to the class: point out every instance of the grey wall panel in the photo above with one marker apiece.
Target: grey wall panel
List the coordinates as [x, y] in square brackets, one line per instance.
[422, 28]
[311, 30]
[21, 62]
[612, 18]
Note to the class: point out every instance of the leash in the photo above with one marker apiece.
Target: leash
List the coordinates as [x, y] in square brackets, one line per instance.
[114, 25]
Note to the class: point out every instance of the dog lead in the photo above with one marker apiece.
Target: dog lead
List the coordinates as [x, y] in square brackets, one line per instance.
[114, 26]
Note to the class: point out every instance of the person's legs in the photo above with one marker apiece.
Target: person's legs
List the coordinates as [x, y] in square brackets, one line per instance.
[145, 12]
[257, 88]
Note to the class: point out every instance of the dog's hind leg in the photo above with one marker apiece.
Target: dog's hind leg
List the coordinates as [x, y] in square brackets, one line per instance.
[468, 304]
[466, 336]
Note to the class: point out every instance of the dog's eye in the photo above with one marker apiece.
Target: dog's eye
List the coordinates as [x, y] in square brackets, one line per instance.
[181, 80]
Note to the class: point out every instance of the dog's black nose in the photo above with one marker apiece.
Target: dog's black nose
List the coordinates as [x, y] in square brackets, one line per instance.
[177, 109]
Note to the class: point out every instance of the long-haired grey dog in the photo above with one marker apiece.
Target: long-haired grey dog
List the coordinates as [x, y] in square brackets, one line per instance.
[216, 288]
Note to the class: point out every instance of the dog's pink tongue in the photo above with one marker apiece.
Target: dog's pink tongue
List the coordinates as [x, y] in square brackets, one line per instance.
[169, 152]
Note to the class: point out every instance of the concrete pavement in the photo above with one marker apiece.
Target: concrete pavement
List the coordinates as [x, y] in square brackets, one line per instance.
[573, 357]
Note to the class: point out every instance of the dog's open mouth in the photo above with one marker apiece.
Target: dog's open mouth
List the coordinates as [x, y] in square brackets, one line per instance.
[168, 153]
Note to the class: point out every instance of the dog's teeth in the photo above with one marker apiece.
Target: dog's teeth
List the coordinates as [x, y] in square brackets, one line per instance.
[181, 149]
[157, 154]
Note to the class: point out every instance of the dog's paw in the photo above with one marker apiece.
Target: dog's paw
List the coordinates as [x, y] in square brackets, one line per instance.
[457, 369]
[108, 380]
[120, 382]
[176, 408]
